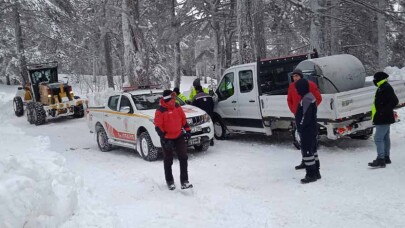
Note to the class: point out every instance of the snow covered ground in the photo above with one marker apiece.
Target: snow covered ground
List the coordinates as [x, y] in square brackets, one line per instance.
[55, 176]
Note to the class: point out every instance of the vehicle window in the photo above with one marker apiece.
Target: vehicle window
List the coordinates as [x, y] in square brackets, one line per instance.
[147, 101]
[125, 102]
[245, 81]
[274, 80]
[113, 102]
[226, 88]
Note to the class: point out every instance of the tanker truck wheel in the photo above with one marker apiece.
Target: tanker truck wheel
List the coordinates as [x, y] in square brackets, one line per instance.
[18, 106]
[363, 135]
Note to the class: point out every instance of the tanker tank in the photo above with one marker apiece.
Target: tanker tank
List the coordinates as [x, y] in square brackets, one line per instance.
[336, 73]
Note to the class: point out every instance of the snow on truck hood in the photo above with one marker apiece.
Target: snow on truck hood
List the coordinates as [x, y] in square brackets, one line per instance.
[189, 110]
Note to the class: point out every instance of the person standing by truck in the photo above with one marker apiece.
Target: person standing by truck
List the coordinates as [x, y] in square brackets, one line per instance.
[293, 99]
[180, 95]
[205, 102]
[193, 91]
[306, 122]
[382, 114]
[173, 130]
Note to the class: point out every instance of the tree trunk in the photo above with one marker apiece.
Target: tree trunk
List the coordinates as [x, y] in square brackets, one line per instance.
[315, 27]
[129, 48]
[382, 35]
[177, 50]
[20, 44]
[108, 60]
[258, 26]
[334, 27]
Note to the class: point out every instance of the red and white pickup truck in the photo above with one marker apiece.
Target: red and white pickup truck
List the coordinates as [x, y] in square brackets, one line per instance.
[127, 121]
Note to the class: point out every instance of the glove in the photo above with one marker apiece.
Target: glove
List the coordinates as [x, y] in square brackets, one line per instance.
[187, 135]
[168, 144]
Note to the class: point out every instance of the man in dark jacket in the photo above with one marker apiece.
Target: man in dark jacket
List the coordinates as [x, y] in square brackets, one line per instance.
[293, 99]
[382, 113]
[173, 130]
[205, 102]
[306, 121]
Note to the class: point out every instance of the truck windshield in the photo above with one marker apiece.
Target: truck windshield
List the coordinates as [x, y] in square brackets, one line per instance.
[150, 101]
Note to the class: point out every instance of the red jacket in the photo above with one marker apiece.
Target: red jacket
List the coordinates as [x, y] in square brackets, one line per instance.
[293, 98]
[170, 119]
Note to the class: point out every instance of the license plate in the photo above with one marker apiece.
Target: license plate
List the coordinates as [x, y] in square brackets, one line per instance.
[193, 141]
[196, 129]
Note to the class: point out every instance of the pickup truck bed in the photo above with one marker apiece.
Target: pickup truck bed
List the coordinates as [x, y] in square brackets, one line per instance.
[334, 107]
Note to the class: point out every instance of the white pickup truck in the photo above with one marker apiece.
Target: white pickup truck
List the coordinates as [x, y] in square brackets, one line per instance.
[253, 98]
[127, 121]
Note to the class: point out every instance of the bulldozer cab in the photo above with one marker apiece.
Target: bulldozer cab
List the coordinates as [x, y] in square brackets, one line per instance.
[44, 73]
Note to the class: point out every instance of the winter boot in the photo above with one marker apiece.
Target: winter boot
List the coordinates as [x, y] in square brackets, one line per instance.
[186, 185]
[171, 185]
[377, 163]
[300, 166]
[317, 174]
[387, 160]
[212, 142]
[310, 176]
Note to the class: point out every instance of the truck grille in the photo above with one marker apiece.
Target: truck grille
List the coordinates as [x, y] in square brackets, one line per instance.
[194, 121]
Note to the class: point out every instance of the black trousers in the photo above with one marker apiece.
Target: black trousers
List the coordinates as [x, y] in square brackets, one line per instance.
[180, 147]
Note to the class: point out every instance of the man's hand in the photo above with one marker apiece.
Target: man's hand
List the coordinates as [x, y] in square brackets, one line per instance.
[187, 135]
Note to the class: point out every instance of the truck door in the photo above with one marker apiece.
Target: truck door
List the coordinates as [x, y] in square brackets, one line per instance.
[248, 101]
[227, 106]
[125, 121]
[109, 118]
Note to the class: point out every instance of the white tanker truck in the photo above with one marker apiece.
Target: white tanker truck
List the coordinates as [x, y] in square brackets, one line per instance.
[253, 97]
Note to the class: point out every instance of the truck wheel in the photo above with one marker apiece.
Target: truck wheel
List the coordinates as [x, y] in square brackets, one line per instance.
[148, 151]
[29, 112]
[78, 111]
[219, 129]
[102, 139]
[203, 147]
[297, 139]
[38, 113]
[18, 106]
[363, 134]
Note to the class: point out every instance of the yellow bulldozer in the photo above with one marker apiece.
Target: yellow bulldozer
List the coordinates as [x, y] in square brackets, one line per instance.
[45, 97]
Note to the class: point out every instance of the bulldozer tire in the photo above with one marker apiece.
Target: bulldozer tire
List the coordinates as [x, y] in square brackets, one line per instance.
[38, 114]
[78, 111]
[102, 139]
[18, 106]
[29, 112]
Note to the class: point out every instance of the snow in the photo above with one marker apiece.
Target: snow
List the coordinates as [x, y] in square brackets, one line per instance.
[55, 176]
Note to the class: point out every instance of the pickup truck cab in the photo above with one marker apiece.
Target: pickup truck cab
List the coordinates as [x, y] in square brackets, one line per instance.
[253, 98]
[127, 121]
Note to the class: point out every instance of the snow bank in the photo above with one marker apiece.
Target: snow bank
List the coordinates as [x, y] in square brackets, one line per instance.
[36, 188]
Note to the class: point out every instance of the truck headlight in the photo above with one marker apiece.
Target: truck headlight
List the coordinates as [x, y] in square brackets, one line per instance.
[206, 118]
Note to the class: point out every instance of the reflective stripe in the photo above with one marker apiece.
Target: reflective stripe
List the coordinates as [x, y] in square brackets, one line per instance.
[309, 163]
[204, 96]
[308, 158]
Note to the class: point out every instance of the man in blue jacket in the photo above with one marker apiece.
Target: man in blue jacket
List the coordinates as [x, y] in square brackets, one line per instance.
[382, 113]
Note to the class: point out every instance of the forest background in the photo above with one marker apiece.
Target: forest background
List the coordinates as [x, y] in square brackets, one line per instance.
[157, 41]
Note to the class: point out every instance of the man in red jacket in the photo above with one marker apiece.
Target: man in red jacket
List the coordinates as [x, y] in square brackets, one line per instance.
[173, 130]
[293, 100]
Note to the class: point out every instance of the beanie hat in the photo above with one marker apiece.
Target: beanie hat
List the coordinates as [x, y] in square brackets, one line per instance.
[302, 87]
[167, 95]
[380, 76]
[298, 71]
[176, 90]
[196, 82]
